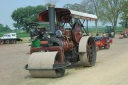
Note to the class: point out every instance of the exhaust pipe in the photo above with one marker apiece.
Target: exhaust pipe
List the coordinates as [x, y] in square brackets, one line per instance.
[51, 12]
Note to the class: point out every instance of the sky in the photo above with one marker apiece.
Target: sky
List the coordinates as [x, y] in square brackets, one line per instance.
[8, 6]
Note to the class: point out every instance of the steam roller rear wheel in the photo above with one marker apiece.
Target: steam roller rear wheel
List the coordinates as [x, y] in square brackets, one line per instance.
[41, 65]
[87, 49]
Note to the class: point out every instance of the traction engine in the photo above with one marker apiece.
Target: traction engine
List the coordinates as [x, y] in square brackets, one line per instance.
[64, 46]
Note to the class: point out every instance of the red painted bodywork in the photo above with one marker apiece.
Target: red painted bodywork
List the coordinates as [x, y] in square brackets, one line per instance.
[111, 41]
[59, 12]
[67, 33]
[43, 42]
[102, 43]
[78, 33]
[126, 31]
[67, 45]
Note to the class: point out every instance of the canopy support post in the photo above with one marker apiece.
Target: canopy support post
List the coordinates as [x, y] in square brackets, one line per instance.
[87, 28]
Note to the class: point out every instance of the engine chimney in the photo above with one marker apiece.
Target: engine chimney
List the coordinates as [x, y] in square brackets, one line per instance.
[51, 12]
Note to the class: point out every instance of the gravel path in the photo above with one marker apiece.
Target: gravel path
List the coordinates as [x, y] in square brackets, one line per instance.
[111, 67]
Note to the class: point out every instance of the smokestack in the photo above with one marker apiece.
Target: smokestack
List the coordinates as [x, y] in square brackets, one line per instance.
[51, 12]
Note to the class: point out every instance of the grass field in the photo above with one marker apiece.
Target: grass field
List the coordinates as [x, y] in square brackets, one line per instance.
[102, 29]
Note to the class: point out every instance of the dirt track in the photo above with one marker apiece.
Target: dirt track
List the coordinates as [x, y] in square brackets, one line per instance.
[111, 67]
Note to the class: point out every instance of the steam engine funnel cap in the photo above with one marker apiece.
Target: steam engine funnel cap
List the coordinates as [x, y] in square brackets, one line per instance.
[51, 5]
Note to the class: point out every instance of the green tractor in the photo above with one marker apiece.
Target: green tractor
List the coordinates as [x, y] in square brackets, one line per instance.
[110, 31]
[37, 29]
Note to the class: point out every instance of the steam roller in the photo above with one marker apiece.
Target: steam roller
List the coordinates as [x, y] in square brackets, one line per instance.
[64, 46]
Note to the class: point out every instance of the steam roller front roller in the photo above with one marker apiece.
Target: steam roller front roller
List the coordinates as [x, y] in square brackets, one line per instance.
[87, 51]
[41, 64]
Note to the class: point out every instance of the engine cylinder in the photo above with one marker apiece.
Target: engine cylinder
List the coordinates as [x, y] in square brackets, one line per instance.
[63, 32]
[67, 45]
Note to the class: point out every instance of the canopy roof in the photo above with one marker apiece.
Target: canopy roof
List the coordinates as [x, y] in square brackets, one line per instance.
[81, 15]
[62, 14]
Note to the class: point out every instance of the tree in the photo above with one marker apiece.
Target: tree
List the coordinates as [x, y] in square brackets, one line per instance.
[76, 7]
[107, 11]
[124, 15]
[17, 26]
[1, 27]
[124, 19]
[93, 7]
[85, 6]
[6, 28]
[110, 11]
[23, 16]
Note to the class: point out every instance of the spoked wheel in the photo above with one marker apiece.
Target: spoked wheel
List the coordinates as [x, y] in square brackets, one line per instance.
[88, 51]
[1, 42]
[7, 41]
[13, 41]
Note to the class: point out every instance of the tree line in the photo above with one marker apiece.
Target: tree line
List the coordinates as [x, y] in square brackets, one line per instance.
[23, 16]
[107, 11]
[4, 28]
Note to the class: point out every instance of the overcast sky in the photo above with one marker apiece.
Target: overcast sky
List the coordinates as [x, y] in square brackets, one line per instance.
[8, 6]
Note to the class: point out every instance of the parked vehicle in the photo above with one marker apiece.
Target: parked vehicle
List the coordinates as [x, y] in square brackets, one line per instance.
[110, 31]
[103, 41]
[123, 34]
[9, 38]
